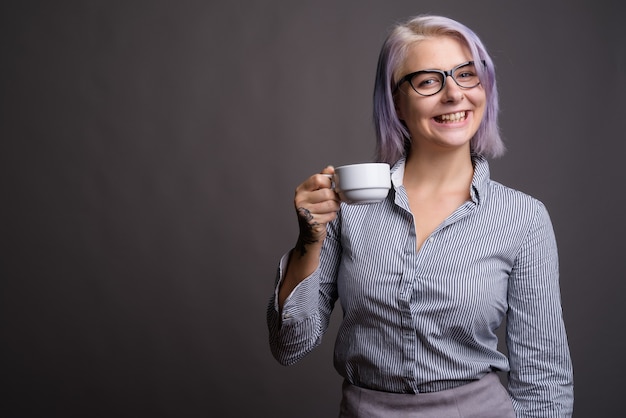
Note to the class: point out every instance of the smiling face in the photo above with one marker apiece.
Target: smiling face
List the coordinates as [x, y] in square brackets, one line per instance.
[449, 119]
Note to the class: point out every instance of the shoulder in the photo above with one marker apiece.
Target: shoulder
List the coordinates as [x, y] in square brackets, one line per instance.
[495, 194]
[514, 206]
[505, 194]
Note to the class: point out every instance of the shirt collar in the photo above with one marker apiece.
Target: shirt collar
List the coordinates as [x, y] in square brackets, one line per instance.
[480, 181]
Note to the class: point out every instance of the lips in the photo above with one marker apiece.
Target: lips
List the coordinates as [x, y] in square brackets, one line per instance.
[451, 117]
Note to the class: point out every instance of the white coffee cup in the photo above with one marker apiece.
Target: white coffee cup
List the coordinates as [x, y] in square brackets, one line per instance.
[362, 183]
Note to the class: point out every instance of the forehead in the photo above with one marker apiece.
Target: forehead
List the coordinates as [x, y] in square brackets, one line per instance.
[442, 53]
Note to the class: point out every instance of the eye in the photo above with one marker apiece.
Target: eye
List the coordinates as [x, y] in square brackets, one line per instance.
[466, 74]
[426, 81]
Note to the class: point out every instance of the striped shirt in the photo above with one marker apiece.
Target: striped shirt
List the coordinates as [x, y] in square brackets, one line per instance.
[424, 321]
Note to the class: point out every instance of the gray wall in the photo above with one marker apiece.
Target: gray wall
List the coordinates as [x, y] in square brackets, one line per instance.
[150, 150]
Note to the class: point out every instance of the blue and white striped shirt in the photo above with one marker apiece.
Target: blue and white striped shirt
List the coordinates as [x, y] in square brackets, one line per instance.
[423, 321]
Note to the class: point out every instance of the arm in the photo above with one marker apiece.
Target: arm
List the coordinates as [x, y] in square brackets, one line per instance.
[300, 309]
[316, 204]
[541, 379]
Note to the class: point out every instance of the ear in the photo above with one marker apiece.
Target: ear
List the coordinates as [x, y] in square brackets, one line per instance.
[397, 108]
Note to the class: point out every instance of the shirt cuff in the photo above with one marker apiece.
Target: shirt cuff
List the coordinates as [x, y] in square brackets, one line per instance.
[302, 302]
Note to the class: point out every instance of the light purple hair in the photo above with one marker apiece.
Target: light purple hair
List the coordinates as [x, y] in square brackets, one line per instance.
[393, 139]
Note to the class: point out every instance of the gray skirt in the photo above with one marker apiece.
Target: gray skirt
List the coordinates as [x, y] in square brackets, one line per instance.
[484, 398]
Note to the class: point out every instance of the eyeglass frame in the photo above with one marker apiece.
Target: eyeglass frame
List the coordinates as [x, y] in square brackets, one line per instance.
[445, 74]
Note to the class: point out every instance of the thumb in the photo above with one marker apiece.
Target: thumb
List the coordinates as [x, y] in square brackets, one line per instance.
[329, 169]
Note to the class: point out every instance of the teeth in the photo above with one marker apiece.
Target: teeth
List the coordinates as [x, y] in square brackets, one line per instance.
[452, 117]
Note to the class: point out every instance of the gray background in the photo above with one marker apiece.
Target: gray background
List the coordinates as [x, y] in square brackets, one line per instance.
[150, 150]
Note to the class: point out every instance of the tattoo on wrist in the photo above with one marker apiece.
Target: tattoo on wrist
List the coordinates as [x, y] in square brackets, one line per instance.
[306, 223]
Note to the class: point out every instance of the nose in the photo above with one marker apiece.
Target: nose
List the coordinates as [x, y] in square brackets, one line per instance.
[452, 92]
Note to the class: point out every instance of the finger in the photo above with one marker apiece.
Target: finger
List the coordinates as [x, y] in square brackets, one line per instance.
[317, 215]
[314, 222]
[320, 180]
[322, 200]
[315, 182]
[329, 169]
[329, 172]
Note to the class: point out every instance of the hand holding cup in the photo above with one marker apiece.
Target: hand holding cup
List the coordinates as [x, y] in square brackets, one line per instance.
[316, 204]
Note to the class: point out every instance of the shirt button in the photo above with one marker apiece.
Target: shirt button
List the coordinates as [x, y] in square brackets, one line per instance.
[431, 239]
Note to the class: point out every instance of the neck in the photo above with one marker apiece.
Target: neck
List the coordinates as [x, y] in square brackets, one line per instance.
[439, 170]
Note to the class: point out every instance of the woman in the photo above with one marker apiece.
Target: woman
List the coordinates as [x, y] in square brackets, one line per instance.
[426, 277]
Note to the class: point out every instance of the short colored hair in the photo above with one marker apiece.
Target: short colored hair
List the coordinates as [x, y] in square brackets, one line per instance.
[392, 137]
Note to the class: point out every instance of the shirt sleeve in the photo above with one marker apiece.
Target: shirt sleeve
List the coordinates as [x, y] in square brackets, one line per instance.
[299, 327]
[541, 377]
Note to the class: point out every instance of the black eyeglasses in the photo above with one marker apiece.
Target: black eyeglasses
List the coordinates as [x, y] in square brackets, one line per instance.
[431, 82]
